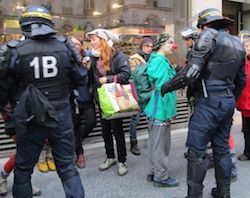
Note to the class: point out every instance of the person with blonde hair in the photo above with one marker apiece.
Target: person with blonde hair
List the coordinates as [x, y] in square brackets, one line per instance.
[109, 65]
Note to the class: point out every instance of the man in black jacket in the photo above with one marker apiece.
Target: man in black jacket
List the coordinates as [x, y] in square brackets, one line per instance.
[45, 64]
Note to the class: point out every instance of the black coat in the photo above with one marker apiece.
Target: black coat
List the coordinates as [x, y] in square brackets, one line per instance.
[119, 66]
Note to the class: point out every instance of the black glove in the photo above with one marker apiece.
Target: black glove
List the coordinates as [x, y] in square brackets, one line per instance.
[178, 68]
[165, 89]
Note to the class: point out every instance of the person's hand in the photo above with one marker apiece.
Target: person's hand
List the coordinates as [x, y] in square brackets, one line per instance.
[102, 80]
[86, 62]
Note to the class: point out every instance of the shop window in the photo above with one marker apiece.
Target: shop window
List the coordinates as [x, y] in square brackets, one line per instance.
[67, 7]
[155, 4]
[89, 7]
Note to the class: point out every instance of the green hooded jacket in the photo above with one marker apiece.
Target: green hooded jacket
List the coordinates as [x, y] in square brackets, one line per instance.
[160, 71]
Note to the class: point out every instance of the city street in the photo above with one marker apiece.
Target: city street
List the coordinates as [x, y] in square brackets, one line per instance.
[108, 184]
[87, 60]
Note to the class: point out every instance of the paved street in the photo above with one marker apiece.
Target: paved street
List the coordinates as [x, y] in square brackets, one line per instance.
[108, 184]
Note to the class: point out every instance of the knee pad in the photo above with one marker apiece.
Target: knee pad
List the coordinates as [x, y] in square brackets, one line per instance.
[197, 161]
[193, 155]
[68, 174]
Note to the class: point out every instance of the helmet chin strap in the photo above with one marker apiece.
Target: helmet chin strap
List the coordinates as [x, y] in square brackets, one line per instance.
[26, 30]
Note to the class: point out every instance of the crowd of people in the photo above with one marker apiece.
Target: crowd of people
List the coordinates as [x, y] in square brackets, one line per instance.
[48, 87]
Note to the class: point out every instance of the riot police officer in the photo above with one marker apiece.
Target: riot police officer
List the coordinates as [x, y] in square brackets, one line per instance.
[39, 70]
[217, 61]
[189, 35]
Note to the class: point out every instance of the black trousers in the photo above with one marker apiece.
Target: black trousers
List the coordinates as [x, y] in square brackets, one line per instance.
[115, 126]
[246, 131]
[88, 115]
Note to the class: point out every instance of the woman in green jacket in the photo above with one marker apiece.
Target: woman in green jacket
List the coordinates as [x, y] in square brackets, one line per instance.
[160, 110]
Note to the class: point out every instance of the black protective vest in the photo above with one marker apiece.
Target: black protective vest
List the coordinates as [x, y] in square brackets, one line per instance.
[226, 59]
[44, 64]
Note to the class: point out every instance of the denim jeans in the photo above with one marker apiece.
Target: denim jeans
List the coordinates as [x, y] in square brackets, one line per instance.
[29, 146]
[132, 127]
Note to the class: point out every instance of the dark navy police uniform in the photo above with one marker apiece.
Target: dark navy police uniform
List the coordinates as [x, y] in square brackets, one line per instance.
[39, 71]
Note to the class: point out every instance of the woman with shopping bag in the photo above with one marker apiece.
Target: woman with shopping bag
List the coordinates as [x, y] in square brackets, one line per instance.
[109, 65]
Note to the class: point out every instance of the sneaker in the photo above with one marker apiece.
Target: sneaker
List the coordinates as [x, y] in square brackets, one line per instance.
[51, 164]
[107, 164]
[134, 148]
[36, 191]
[43, 166]
[3, 185]
[243, 158]
[80, 162]
[169, 182]
[122, 168]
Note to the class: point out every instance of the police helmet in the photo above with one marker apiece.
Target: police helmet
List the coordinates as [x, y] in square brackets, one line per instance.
[212, 15]
[189, 32]
[37, 19]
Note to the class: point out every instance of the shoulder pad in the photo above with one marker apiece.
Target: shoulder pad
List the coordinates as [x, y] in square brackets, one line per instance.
[76, 54]
[13, 43]
[204, 42]
[205, 38]
[61, 38]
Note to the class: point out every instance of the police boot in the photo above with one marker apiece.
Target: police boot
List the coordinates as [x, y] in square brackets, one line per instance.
[222, 190]
[223, 167]
[134, 147]
[196, 171]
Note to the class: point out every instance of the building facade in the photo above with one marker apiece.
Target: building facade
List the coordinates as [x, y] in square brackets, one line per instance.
[128, 18]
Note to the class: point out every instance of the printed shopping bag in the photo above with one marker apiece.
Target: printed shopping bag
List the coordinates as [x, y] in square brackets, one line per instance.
[117, 100]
